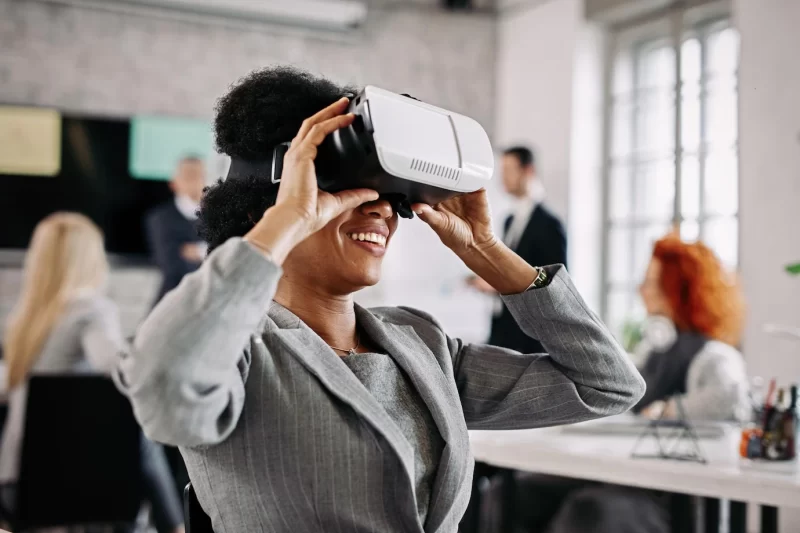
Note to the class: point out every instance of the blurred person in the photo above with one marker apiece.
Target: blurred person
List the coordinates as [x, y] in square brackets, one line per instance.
[691, 342]
[696, 313]
[612, 509]
[297, 409]
[172, 226]
[63, 324]
[533, 232]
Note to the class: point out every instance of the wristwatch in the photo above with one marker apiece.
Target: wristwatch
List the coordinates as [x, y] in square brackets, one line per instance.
[541, 280]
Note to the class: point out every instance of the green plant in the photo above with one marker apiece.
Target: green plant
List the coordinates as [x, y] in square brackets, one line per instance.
[631, 334]
[793, 269]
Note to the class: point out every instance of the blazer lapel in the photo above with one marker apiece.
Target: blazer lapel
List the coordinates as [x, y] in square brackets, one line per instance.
[312, 352]
[441, 398]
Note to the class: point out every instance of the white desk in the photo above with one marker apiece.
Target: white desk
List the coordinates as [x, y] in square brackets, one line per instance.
[608, 459]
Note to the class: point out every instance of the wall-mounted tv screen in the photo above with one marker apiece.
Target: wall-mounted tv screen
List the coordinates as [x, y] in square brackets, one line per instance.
[93, 177]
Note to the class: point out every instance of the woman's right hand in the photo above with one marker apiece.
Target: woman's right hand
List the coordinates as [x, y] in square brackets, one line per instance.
[301, 208]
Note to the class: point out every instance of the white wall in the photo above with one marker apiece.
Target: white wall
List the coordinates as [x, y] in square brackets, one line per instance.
[549, 95]
[535, 56]
[585, 230]
[769, 125]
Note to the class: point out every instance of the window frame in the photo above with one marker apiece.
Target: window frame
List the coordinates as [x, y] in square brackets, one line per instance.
[675, 25]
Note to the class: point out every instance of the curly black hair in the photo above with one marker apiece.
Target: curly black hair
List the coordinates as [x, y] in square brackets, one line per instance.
[262, 110]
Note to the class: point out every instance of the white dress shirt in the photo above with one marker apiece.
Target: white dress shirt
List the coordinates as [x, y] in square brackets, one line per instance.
[188, 208]
[521, 214]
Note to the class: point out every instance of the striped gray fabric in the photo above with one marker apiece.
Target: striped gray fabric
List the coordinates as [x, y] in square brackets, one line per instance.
[280, 436]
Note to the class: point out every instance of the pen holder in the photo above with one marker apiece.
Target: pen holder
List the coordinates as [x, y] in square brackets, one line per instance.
[775, 441]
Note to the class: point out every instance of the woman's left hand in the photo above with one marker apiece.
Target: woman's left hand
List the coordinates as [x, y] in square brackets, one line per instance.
[463, 223]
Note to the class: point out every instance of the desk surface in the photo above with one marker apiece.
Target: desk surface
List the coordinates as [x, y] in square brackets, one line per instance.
[607, 458]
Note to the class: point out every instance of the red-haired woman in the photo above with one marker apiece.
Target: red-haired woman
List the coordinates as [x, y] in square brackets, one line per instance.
[696, 314]
[695, 320]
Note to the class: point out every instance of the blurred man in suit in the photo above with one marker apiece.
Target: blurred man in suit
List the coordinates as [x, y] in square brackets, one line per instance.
[171, 230]
[532, 231]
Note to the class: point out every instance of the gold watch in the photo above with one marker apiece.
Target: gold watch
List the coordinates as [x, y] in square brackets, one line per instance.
[542, 279]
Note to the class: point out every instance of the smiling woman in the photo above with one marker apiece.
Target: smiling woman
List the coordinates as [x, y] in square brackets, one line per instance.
[296, 409]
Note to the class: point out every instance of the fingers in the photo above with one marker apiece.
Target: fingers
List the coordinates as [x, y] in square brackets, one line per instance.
[429, 215]
[338, 203]
[329, 112]
[319, 131]
[306, 148]
[352, 198]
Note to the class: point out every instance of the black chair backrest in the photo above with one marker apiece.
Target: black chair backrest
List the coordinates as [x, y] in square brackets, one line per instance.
[81, 454]
[197, 521]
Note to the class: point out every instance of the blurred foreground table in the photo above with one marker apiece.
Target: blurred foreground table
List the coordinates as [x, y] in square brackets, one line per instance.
[607, 458]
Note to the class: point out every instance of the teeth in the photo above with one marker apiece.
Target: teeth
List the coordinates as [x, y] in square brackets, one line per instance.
[368, 237]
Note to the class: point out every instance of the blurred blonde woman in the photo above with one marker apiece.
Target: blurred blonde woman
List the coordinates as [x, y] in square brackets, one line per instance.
[62, 324]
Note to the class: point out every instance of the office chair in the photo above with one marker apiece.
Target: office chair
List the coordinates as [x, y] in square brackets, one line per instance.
[81, 455]
[197, 521]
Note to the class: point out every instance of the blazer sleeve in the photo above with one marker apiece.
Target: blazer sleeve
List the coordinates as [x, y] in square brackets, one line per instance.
[186, 370]
[585, 373]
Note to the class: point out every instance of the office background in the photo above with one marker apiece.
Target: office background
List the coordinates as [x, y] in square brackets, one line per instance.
[528, 71]
[537, 72]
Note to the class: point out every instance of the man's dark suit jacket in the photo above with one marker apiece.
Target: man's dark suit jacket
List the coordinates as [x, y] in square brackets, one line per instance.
[167, 231]
[543, 242]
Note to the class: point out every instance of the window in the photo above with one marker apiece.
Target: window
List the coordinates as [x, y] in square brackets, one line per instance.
[672, 163]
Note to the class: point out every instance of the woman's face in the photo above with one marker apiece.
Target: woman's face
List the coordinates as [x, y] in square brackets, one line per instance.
[345, 255]
[655, 301]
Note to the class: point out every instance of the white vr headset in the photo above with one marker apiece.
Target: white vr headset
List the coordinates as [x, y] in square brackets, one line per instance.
[407, 150]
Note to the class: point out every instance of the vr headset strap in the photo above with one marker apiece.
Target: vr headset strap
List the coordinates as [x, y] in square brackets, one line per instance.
[270, 168]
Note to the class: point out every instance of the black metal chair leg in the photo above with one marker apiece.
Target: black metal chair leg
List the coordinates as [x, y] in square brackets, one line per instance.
[509, 500]
[681, 513]
[711, 507]
[738, 517]
[769, 519]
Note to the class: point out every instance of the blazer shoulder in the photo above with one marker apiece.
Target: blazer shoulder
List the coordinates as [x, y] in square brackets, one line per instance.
[162, 211]
[717, 353]
[544, 214]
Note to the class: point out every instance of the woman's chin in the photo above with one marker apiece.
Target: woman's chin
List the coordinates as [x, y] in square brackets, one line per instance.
[365, 277]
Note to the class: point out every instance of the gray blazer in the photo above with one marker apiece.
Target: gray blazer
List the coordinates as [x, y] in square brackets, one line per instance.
[280, 436]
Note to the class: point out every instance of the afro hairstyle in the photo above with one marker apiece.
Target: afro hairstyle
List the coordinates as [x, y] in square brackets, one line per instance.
[262, 110]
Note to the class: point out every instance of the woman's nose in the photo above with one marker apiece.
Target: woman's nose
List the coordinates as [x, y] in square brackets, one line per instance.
[378, 209]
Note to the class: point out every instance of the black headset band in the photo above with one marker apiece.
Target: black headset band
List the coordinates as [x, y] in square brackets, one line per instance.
[241, 168]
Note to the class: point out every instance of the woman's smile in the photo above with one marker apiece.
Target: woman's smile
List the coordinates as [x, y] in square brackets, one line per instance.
[373, 239]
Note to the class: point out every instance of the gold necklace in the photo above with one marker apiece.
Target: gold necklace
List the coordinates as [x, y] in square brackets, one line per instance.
[351, 351]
